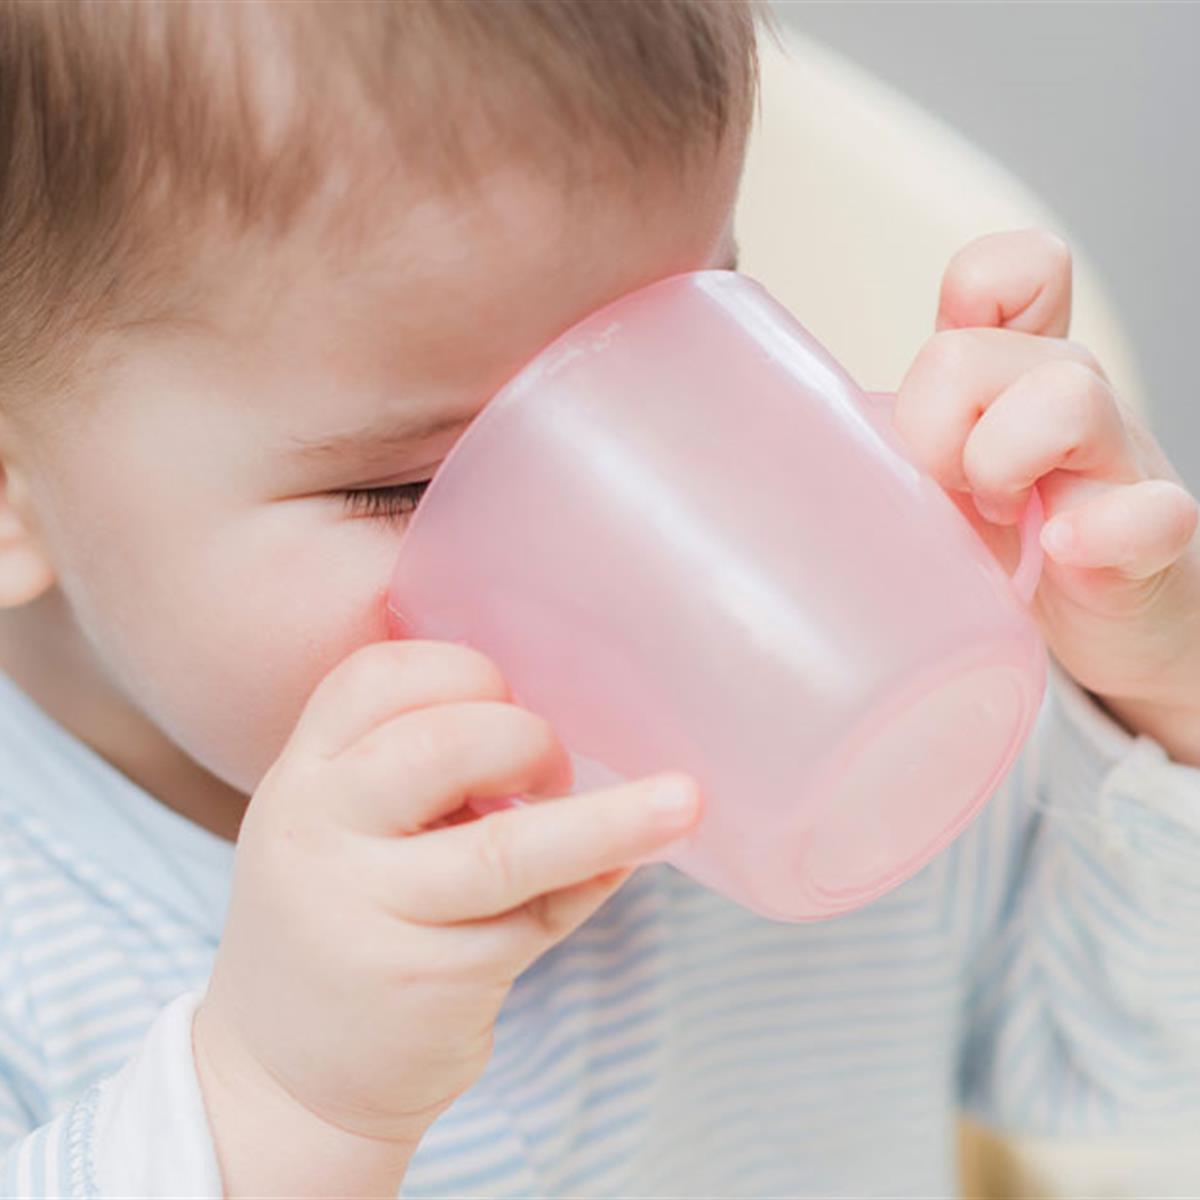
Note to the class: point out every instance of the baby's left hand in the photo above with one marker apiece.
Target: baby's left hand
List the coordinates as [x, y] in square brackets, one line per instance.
[998, 400]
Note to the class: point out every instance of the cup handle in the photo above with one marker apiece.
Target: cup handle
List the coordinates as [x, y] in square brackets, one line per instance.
[1028, 572]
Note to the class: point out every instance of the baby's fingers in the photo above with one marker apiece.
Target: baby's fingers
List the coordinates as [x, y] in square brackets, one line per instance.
[1138, 530]
[955, 378]
[1060, 415]
[1017, 279]
[502, 861]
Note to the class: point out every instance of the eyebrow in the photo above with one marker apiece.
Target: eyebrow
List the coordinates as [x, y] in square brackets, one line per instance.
[387, 440]
[382, 440]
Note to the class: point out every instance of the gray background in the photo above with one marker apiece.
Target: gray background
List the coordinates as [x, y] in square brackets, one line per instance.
[1097, 107]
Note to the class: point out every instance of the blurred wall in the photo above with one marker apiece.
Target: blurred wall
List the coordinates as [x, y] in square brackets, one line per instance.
[1096, 106]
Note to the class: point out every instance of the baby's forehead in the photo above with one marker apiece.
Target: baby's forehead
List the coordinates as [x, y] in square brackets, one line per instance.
[446, 295]
[437, 275]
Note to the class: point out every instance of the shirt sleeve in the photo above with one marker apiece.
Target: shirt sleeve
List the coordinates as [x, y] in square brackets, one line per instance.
[143, 1131]
[1083, 1012]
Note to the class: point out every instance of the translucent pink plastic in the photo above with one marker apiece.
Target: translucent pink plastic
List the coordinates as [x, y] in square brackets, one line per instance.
[690, 541]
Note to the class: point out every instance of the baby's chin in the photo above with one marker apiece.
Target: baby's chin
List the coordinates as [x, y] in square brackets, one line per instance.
[239, 760]
[208, 764]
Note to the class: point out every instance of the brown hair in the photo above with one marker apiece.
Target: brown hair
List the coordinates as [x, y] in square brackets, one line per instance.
[129, 127]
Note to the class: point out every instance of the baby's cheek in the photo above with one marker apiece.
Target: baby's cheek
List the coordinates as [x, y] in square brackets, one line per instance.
[267, 673]
[230, 651]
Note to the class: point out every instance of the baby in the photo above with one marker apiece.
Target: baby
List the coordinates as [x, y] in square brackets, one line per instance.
[260, 264]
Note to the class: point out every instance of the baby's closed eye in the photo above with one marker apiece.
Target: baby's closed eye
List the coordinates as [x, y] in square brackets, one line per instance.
[385, 503]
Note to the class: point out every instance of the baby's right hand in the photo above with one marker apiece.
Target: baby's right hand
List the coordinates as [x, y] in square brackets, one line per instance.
[374, 929]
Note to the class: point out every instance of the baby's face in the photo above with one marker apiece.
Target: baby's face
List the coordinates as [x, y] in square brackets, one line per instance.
[195, 505]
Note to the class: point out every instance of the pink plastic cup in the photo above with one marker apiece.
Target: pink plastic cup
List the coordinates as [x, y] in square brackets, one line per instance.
[690, 541]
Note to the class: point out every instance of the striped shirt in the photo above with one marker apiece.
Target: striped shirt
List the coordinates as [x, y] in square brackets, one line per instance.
[1044, 972]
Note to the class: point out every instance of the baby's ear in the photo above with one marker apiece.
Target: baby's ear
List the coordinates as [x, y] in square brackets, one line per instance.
[25, 569]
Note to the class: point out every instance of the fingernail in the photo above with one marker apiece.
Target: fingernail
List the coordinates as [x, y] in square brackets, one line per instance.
[1058, 538]
[674, 802]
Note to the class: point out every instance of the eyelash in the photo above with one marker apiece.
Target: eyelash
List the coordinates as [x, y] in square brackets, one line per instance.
[386, 503]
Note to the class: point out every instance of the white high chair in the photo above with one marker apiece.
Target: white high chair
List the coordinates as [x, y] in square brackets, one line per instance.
[853, 202]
